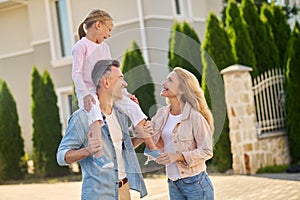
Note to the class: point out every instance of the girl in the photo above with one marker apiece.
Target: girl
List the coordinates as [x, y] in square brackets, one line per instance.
[86, 52]
[184, 129]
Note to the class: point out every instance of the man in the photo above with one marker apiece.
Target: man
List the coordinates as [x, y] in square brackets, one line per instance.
[78, 145]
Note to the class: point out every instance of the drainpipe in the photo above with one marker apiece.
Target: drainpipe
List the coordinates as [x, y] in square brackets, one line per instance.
[143, 31]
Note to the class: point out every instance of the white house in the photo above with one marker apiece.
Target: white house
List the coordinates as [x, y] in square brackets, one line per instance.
[42, 32]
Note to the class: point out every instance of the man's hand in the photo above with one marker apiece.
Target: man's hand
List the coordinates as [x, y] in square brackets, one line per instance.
[148, 127]
[94, 144]
[88, 100]
[168, 158]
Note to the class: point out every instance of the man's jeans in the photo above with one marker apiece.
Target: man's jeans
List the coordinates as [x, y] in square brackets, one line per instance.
[198, 187]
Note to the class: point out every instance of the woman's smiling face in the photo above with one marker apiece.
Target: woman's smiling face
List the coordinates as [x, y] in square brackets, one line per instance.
[170, 87]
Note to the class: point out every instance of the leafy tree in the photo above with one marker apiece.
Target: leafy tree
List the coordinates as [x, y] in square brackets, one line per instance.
[265, 50]
[275, 17]
[292, 94]
[46, 126]
[184, 49]
[217, 48]
[242, 46]
[11, 141]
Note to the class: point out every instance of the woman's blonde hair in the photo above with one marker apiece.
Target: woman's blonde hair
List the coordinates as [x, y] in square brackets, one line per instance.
[94, 16]
[193, 94]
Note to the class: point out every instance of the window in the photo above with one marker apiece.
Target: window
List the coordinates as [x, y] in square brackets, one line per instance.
[61, 33]
[177, 7]
[65, 99]
[182, 8]
[64, 28]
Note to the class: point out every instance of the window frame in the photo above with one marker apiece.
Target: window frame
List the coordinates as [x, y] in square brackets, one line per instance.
[184, 7]
[63, 103]
[57, 57]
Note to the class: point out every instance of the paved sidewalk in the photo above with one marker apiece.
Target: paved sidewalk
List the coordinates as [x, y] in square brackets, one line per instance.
[227, 187]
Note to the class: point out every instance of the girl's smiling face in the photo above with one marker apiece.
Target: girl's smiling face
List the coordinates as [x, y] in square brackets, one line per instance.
[104, 30]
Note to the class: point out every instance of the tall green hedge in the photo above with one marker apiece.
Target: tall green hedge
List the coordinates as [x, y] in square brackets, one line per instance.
[46, 126]
[242, 46]
[139, 80]
[217, 46]
[265, 50]
[12, 166]
[138, 77]
[275, 17]
[184, 49]
[292, 102]
[258, 3]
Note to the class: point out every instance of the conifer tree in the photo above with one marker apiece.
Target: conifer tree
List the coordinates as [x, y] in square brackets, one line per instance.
[11, 141]
[74, 99]
[242, 46]
[217, 48]
[293, 95]
[36, 83]
[258, 3]
[184, 49]
[47, 126]
[139, 80]
[138, 77]
[277, 20]
[265, 50]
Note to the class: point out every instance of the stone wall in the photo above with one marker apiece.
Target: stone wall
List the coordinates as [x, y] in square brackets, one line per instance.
[249, 151]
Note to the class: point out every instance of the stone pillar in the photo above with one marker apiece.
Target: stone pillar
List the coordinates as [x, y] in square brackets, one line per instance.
[241, 115]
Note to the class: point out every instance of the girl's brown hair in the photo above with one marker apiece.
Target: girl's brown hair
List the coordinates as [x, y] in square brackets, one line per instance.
[93, 16]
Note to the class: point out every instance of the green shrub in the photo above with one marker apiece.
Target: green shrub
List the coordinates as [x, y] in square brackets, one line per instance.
[46, 126]
[277, 20]
[11, 141]
[217, 46]
[272, 169]
[184, 49]
[139, 80]
[265, 50]
[292, 102]
[242, 46]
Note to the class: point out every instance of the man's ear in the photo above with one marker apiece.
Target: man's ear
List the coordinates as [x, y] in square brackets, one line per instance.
[105, 82]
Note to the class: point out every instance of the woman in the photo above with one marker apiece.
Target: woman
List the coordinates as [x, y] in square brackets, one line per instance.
[183, 131]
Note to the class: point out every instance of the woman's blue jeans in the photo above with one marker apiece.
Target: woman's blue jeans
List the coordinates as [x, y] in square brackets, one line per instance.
[198, 187]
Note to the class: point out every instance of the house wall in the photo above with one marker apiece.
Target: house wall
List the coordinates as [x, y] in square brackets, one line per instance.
[29, 38]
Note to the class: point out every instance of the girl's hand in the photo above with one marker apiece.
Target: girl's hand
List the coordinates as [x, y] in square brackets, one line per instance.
[88, 100]
[134, 99]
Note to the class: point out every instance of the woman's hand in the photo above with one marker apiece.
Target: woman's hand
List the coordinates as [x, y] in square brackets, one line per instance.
[168, 158]
[88, 100]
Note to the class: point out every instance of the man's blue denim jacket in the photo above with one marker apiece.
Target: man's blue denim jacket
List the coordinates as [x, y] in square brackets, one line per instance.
[98, 183]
